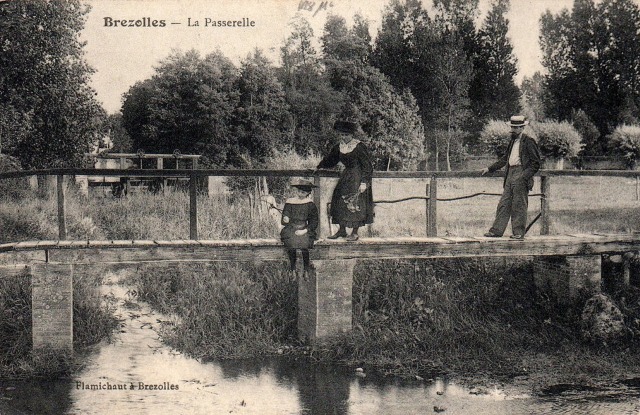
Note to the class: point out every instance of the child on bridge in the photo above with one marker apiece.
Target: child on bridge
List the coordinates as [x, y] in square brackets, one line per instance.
[300, 220]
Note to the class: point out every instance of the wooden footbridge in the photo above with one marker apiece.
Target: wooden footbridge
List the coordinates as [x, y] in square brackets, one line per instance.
[566, 263]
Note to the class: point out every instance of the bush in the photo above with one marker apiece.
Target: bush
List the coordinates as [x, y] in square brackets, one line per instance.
[625, 141]
[558, 139]
[495, 137]
[278, 186]
[589, 132]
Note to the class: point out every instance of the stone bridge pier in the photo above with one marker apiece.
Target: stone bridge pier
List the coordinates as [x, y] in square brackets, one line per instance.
[52, 306]
[568, 277]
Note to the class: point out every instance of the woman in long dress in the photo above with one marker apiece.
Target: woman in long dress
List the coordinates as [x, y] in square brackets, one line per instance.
[352, 200]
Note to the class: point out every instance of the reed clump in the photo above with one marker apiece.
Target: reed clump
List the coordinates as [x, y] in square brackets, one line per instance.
[223, 310]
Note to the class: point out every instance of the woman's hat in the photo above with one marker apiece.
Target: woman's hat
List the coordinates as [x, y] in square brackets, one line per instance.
[345, 127]
[518, 121]
[302, 184]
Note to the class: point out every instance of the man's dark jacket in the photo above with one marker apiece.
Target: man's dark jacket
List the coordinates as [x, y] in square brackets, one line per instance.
[529, 159]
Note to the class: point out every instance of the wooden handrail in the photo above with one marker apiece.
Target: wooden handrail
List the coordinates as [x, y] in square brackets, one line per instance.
[193, 175]
[291, 173]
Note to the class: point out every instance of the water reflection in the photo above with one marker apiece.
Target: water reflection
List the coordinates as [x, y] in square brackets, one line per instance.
[180, 385]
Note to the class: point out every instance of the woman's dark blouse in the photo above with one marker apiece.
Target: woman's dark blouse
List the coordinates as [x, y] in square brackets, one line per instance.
[358, 169]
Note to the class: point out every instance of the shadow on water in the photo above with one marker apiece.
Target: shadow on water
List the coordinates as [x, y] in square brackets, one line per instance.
[299, 386]
[36, 397]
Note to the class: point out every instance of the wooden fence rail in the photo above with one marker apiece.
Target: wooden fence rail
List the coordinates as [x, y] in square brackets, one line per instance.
[431, 193]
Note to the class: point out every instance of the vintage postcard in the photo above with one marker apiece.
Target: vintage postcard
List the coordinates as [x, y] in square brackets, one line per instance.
[232, 295]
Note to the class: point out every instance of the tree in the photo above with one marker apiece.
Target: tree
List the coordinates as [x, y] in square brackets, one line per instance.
[589, 133]
[493, 92]
[396, 43]
[15, 127]
[262, 113]
[120, 140]
[592, 55]
[390, 120]
[405, 52]
[532, 97]
[188, 105]
[136, 113]
[44, 83]
[312, 101]
[456, 17]
[452, 73]
[340, 43]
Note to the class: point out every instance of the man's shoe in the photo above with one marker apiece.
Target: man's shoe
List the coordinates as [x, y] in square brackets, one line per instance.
[517, 237]
[352, 238]
[337, 235]
[492, 235]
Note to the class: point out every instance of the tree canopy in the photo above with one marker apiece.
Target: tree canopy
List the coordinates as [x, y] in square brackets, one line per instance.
[49, 114]
[592, 55]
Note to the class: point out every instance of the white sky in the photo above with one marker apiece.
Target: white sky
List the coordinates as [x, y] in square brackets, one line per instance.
[123, 55]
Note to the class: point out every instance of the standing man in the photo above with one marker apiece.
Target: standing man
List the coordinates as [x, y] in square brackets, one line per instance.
[522, 161]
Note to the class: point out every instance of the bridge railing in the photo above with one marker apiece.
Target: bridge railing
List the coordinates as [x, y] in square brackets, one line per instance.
[321, 179]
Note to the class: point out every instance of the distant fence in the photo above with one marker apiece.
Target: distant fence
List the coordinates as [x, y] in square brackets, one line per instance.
[324, 181]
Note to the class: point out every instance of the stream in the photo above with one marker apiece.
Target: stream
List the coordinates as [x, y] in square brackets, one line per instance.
[136, 374]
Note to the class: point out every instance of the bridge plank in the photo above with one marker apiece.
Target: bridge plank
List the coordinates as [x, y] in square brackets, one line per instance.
[459, 239]
[143, 243]
[14, 270]
[47, 244]
[101, 244]
[7, 247]
[64, 244]
[366, 248]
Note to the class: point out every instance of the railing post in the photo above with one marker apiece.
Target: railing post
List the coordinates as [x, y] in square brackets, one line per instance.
[432, 225]
[193, 207]
[62, 225]
[426, 208]
[545, 218]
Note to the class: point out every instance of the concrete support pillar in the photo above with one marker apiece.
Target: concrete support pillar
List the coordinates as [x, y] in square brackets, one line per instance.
[568, 277]
[52, 306]
[325, 300]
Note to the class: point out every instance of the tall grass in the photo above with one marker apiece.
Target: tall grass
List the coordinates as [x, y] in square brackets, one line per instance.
[224, 310]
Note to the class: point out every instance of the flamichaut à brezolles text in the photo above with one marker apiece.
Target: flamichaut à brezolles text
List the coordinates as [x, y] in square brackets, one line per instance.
[144, 22]
[107, 386]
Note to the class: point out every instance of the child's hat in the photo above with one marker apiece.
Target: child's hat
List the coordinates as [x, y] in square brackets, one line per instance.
[302, 184]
